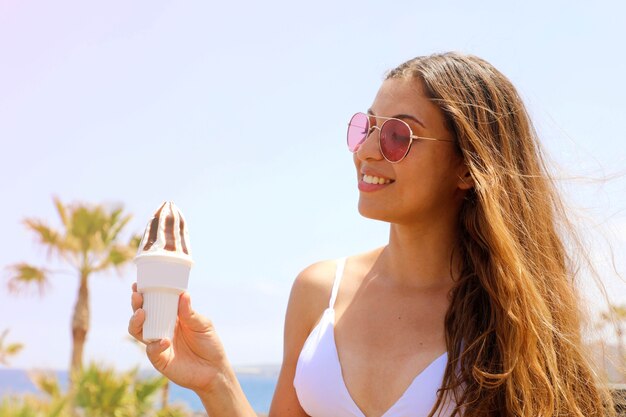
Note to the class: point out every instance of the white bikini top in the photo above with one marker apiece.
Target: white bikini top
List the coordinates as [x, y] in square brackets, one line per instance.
[319, 382]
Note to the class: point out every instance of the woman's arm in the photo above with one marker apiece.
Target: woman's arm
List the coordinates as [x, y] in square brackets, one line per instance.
[308, 299]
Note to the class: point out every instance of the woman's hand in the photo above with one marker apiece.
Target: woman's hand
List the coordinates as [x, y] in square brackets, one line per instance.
[195, 357]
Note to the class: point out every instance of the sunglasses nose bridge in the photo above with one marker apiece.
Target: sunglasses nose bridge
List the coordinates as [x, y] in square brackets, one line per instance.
[370, 147]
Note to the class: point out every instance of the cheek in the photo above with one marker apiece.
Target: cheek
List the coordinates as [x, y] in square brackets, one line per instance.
[432, 178]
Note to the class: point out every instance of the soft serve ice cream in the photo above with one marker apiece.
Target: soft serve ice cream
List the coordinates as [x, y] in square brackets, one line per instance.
[163, 264]
[166, 236]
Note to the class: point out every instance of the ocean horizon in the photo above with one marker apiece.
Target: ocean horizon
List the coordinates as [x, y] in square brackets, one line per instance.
[257, 382]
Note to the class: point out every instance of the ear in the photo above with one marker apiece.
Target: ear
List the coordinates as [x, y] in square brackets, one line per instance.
[466, 181]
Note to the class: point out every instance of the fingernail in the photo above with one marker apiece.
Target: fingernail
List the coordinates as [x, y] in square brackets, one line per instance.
[162, 342]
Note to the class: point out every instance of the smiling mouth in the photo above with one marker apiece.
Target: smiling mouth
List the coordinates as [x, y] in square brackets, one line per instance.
[370, 179]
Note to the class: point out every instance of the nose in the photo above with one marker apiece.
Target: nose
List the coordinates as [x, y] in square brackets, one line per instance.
[369, 148]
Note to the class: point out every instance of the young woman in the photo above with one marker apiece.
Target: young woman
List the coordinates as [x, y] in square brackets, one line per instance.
[471, 309]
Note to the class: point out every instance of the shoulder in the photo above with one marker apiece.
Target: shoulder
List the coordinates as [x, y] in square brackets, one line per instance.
[316, 278]
[311, 290]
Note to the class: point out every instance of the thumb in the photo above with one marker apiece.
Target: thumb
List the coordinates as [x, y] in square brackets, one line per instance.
[159, 354]
[189, 318]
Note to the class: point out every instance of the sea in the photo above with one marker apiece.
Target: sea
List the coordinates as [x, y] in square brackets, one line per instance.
[258, 384]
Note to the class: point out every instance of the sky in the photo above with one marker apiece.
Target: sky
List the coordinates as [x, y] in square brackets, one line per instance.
[237, 111]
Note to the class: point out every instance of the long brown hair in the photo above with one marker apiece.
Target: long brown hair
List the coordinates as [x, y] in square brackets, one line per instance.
[513, 329]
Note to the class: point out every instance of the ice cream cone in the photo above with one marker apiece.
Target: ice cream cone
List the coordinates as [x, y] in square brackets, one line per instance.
[161, 279]
[163, 265]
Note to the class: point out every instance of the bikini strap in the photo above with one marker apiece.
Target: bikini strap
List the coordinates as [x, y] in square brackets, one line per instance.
[341, 263]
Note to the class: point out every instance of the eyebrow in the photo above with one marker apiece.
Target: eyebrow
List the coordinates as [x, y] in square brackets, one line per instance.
[400, 116]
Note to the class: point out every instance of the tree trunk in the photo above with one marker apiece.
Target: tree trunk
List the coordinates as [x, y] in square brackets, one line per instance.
[165, 394]
[80, 327]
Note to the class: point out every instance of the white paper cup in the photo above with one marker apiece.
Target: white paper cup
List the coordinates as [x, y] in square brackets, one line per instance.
[161, 279]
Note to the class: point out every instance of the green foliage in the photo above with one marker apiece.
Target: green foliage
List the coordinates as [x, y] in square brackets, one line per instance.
[47, 383]
[88, 241]
[47, 236]
[103, 392]
[24, 276]
[32, 406]
[145, 389]
[172, 411]
[18, 407]
[99, 392]
[8, 349]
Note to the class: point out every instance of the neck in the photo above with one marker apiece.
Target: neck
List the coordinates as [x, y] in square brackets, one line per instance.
[421, 255]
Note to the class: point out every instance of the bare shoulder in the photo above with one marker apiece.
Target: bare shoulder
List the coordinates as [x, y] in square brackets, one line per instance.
[311, 290]
[318, 276]
[312, 287]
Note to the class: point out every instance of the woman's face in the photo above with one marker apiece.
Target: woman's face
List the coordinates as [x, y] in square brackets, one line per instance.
[430, 181]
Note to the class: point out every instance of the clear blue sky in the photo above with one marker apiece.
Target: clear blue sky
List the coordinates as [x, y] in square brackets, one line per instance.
[237, 111]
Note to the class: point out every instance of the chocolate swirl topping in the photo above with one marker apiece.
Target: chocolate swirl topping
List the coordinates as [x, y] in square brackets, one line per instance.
[169, 233]
[182, 236]
[154, 228]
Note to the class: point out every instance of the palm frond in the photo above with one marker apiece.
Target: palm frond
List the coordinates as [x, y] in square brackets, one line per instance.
[114, 217]
[23, 277]
[173, 411]
[57, 407]
[85, 225]
[104, 391]
[135, 241]
[119, 255]
[145, 388]
[46, 235]
[72, 247]
[11, 349]
[116, 227]
[23, 406]
[62, 211]
[46, 382]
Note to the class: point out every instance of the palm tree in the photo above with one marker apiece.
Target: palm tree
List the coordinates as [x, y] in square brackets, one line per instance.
[10, 349]
[88, 242]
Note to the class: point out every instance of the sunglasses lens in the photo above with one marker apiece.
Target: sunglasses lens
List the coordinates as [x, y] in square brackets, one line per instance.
[357, 131]
[395, 139]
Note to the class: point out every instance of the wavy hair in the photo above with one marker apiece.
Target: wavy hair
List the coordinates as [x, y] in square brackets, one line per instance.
[513, 328]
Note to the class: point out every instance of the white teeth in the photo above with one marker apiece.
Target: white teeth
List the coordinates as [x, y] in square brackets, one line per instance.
[370, 179]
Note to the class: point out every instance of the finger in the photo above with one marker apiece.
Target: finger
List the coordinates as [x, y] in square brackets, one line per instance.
[158, 353]
[136, 300]
[189, 318]
[134, 287]
[135, 324]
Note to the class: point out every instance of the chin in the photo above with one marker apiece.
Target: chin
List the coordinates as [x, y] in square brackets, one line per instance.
[375, 213]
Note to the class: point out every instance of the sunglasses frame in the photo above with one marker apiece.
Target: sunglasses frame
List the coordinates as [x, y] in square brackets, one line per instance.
[386, 119]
